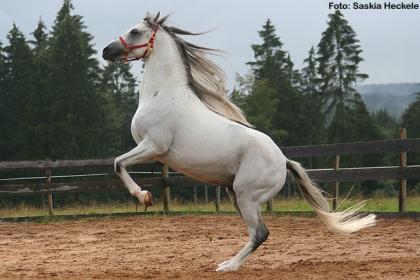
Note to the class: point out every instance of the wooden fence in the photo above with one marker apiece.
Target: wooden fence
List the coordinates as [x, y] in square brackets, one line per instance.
[333, 175]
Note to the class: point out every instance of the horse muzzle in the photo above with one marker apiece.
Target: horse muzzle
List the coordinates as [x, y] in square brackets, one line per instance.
[113, 51]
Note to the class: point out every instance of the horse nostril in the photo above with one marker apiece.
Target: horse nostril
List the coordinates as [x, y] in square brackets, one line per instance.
[105, 53]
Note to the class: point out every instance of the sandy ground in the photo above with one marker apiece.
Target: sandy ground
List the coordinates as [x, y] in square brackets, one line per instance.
[191, 247]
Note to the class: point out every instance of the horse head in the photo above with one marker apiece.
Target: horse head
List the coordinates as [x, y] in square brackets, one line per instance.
[137, 42]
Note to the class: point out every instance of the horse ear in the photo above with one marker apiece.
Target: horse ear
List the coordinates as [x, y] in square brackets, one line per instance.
[156, 17]
[162, 20]
[147, 17]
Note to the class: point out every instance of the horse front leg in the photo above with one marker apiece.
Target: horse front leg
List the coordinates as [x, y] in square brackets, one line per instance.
[143, 152]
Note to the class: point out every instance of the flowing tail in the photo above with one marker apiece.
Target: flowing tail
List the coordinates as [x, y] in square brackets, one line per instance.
[344, 222]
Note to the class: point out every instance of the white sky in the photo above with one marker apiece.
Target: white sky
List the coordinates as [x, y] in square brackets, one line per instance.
[390, 39]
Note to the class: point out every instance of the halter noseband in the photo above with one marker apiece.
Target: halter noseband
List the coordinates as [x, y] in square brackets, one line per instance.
[128, 48]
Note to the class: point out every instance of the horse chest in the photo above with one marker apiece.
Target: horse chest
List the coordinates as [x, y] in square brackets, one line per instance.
[144, 119]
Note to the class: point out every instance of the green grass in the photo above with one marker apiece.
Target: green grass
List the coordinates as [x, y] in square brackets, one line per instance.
[373, 204]
[28, 211]
[382, 204]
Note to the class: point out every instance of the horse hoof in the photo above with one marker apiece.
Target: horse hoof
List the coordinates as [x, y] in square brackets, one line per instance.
[148, 199]
[228, 267]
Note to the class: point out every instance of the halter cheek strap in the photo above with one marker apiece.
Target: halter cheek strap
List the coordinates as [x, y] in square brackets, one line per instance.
[128, 48]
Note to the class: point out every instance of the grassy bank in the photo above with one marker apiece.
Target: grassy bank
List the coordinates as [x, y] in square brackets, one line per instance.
[373, 204]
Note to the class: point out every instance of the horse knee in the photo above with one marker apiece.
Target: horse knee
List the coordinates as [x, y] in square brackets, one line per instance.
[261, 235]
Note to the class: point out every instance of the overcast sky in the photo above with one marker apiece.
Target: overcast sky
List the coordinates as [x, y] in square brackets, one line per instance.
[390, 39]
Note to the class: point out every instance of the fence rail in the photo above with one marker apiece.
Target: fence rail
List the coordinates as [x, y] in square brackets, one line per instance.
[356, 148]
[333, 175]
[365, 174]
[43, 164]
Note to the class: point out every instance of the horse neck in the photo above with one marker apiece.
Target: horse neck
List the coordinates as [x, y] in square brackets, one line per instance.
[164, 67]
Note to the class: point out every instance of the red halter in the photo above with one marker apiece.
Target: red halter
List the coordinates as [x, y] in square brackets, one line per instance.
[149, 47]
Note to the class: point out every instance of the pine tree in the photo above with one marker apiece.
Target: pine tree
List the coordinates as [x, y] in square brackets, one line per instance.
[2, 74]
[293, 75]
[345, 114]
[78, 113]
[271, 61]
[338, 70]
[16, 94]
[2, 65]
[41, 93]
[338, 63]
[310, 75]
[273, 69]
[64, 11]
[40, 36]
[310, 89]
[3, 107]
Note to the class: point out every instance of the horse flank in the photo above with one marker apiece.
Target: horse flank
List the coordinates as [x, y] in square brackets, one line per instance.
[206, 79]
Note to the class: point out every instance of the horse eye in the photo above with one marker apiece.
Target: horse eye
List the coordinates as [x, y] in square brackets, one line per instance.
[134, 32]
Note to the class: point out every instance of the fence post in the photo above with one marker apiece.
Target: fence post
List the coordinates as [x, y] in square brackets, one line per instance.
[217, 202]
[336, 188]
[50, 201]
[288, 193]
[403, 180]
[206, 194]
[166, 189]
[195, 195]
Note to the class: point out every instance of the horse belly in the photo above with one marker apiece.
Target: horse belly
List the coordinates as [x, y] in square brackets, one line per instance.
[212, 169]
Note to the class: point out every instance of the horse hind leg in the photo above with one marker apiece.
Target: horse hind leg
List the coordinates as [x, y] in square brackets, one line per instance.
[258, 233]
[250, 192]
[232, 196]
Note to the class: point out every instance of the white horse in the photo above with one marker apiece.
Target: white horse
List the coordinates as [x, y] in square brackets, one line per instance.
[185, 120]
